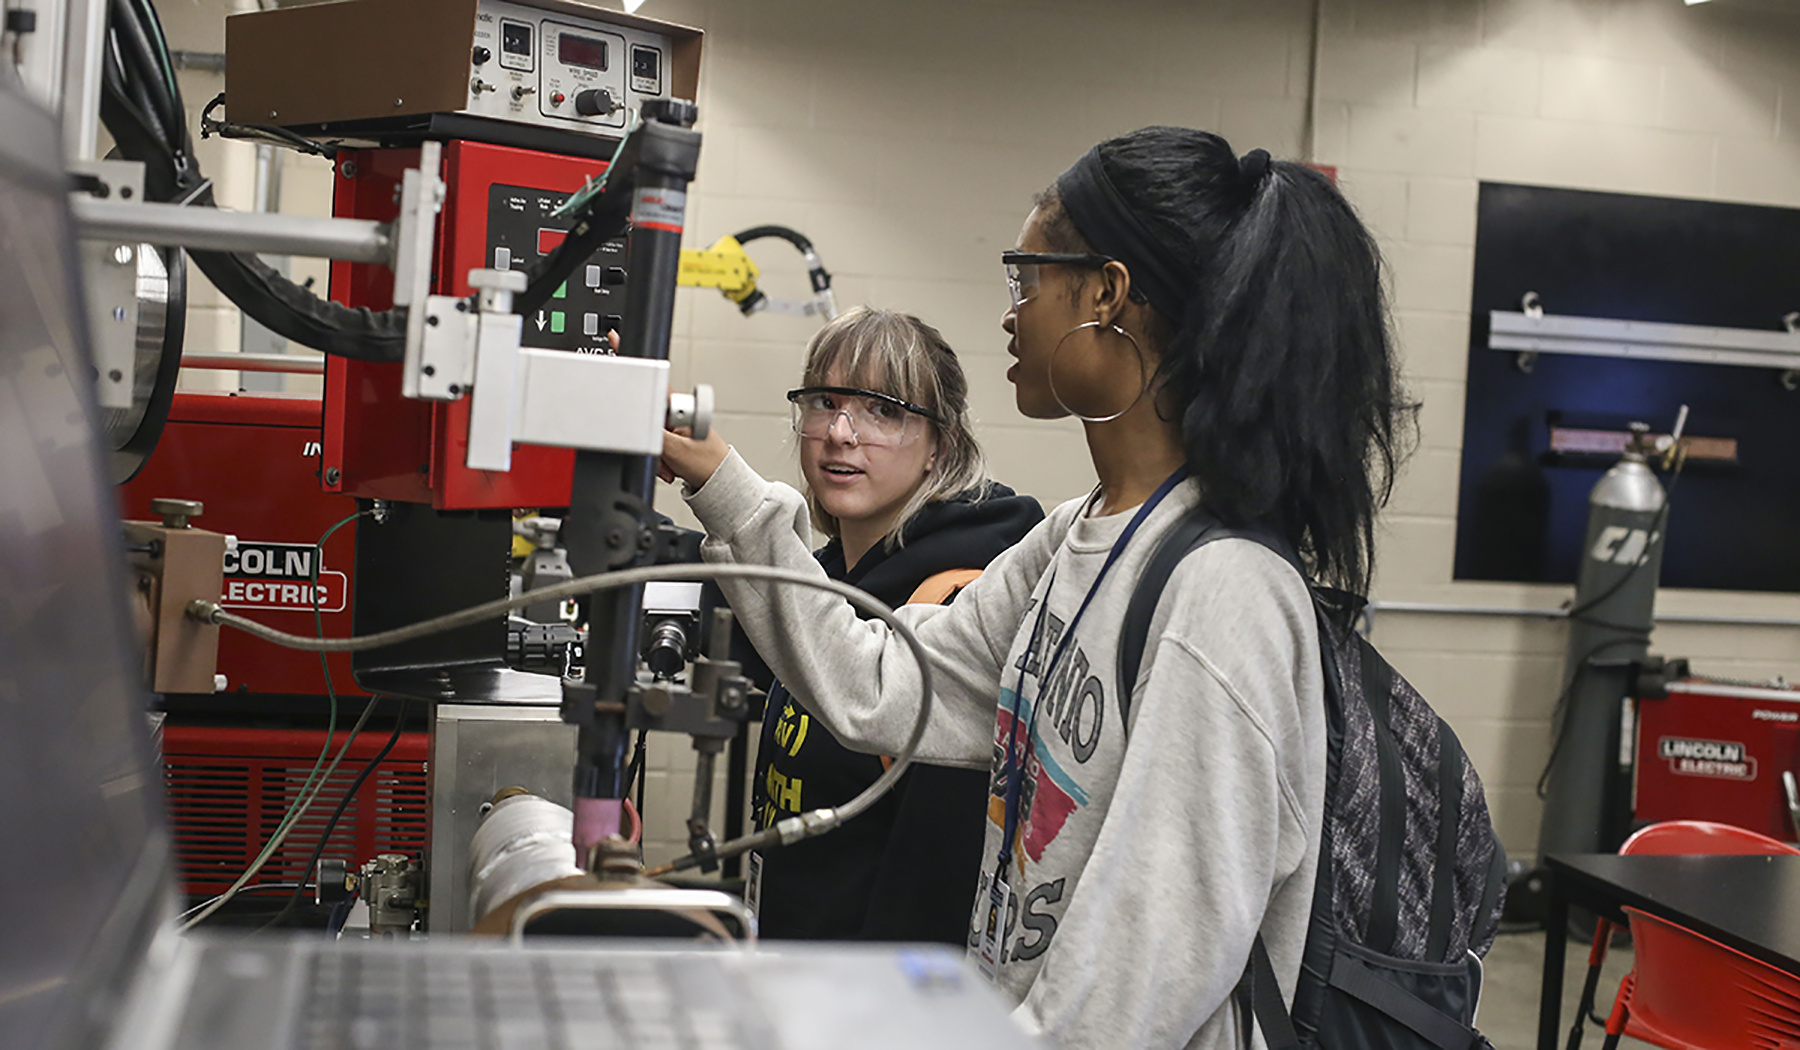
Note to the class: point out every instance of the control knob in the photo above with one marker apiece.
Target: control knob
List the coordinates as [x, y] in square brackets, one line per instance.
[596, 102]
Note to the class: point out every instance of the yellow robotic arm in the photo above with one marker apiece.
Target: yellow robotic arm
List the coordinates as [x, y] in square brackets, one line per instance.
[729, 268]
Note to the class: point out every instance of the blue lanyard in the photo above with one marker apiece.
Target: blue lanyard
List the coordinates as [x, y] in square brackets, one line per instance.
[1015, 771]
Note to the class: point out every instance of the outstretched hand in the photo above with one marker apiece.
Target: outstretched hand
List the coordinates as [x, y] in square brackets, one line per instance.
[682, 457]
[689, 460]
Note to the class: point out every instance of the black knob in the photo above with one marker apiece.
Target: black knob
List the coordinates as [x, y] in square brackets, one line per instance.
[482, 54]
[333, 883]
[595, 102]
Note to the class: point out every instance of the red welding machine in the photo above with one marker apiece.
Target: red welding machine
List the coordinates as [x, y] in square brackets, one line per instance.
[253, 462]
[1723, 752]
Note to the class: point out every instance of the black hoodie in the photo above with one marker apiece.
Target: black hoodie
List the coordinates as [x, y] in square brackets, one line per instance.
[903, 870]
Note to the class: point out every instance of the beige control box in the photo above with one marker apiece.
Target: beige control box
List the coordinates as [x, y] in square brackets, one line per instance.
[172, 564]
[359, 65]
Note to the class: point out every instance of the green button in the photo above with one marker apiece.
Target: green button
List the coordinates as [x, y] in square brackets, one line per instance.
[558, 320]
[562, 291]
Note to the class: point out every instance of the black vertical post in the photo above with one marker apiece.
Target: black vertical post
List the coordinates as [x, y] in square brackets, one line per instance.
[610, 523]
[1556, 933]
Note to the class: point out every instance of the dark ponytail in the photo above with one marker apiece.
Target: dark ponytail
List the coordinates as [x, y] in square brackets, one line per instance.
[1281, 369]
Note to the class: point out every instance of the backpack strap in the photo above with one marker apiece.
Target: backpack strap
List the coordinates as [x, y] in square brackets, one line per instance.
[1260, 991]
[939, 588]
[1352, 977]
[1390, 842]
[1193, 531]
[1450, 800]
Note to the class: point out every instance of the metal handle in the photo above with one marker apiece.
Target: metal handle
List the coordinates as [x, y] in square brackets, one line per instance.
[1793, 800]
[693, 411]
[293, 363]
[673, 901]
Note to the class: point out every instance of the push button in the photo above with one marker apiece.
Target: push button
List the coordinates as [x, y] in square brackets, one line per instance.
[593, 277]
[503, 258]
[590, 324]
[559, 322]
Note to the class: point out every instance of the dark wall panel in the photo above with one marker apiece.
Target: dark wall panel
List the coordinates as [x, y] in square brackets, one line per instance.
[1523, 509]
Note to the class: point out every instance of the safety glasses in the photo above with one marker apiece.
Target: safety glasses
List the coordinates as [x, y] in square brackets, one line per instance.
[1022, 275]
[876, 419]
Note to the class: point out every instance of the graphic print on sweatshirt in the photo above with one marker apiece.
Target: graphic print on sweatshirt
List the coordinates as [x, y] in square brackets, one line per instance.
[1071, 709]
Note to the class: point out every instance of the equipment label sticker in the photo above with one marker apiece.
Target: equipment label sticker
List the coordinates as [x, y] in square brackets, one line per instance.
[662, 210]
[262, 575]
[1721, 759]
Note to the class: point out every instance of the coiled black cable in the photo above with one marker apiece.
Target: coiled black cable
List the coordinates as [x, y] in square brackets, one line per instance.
[141, 106]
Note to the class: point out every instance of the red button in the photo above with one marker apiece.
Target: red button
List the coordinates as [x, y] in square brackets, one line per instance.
[557, 99]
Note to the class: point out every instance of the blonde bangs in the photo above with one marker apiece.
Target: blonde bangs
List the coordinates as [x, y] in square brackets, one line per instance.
[897, 354]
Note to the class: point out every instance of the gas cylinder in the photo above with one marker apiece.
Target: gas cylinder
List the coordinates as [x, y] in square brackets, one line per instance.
[1609, 628]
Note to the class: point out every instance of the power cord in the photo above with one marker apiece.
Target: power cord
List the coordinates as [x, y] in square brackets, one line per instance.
[261, 887]
[312, 862]
[786, 832]
[269, 133]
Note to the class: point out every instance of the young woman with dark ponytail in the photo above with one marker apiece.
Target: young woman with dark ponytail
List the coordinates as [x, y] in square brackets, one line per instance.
[1218, 325]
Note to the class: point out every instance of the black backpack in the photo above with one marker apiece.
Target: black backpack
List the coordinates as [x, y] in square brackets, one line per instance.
[1411, 874]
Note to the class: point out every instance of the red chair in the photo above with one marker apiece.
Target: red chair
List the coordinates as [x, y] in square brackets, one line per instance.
[1671, 838]
[1689, 992]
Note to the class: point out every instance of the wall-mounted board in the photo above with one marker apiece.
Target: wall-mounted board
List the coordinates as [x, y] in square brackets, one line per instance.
[1734, 523]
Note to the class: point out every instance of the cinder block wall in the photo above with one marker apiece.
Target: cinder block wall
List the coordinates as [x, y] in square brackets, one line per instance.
[907, 139]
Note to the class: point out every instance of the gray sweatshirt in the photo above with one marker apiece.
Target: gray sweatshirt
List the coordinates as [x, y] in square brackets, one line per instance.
[1151, 847]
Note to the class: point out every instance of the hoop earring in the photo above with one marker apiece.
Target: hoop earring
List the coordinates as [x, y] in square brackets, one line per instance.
[1137, 351]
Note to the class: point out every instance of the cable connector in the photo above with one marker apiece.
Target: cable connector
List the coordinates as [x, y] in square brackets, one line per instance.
[204, 611]
[806, 825]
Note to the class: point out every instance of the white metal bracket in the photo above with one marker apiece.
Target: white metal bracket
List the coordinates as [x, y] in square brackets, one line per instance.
[421, 195]
[109, 270]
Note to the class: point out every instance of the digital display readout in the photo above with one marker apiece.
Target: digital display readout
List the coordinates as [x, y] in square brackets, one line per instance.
[581, 51]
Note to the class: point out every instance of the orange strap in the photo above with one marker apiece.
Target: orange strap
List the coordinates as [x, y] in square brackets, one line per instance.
[938, 589]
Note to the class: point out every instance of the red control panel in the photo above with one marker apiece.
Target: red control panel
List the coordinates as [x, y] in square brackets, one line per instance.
[378, 444]
[1717, 752]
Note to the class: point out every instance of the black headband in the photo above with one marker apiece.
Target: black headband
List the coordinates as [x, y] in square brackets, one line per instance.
[1110, 227]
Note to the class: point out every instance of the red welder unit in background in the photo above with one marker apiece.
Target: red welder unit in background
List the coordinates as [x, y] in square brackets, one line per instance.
[496, 214]
[254, 464]
[228, 790]
[1712, 751]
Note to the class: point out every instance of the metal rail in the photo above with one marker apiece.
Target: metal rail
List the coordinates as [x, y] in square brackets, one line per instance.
[291, 363]
[212, 229]
[1436, 609]
[1646, 340]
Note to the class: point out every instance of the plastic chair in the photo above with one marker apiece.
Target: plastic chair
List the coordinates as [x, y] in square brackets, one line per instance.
[1689, 992]
[1670, 838]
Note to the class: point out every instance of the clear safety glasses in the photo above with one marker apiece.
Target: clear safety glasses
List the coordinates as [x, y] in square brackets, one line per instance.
[1022, 273]
[876, 419]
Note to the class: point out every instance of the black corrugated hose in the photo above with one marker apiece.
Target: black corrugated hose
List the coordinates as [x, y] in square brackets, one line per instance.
[141, 106]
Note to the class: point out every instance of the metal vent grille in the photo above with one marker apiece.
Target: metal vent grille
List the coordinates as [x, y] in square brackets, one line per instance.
[228, 788]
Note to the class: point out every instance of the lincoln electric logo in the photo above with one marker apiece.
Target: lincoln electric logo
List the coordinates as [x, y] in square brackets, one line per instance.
[1721, 759]
[279, 576]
